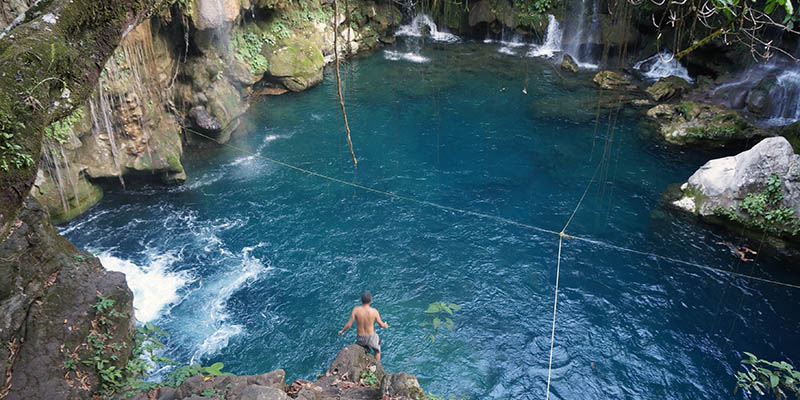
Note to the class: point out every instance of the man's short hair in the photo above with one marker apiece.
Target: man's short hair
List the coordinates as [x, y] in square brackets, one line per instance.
[366, 297]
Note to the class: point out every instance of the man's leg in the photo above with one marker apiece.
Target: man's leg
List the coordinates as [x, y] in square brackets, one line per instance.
[378, 355]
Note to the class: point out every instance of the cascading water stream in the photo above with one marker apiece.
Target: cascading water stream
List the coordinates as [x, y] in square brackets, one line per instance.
[421, 26]
[662, 65]
[552, 40]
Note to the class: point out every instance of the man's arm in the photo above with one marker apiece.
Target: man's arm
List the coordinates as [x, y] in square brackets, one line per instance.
[380, 322]
[349, 323]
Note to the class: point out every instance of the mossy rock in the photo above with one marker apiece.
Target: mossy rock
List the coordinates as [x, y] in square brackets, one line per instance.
[611, 80]
[298, 64]
[792, 134]
[702, 123]
[668, 87]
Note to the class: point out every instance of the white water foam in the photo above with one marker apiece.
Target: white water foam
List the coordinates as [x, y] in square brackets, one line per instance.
[552, 40]
[662, 65]
[212, 303]
[785, 99]
[154, 287]
[421, 21]
[405, 56]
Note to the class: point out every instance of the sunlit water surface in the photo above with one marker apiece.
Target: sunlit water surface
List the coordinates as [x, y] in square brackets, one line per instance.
[257, 265]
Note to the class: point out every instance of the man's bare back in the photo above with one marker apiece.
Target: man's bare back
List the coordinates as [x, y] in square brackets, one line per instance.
[365, 317]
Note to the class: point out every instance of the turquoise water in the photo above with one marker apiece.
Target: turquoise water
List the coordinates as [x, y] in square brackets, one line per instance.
[257, 265]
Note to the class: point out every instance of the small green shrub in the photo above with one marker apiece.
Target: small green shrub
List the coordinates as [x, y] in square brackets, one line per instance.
[763, 376]
[247, 47]
[368, 378]
[11, 154]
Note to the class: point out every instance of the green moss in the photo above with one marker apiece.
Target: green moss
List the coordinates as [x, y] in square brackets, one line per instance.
[61, 131]
[248, 45]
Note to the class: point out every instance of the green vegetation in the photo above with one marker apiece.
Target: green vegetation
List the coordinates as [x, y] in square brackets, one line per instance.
[248, 45]
[531, 13]
[368, 378]
[100, 352]
[763, 376]
[12, 154]
[764, 210]
[437, 315]
[61, 131]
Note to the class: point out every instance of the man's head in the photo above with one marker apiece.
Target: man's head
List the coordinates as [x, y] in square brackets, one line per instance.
[366, 297]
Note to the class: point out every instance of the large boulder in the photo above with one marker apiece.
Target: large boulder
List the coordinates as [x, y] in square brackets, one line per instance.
[269, 386]
[352, 361]
[668, 87]
[297, 64]
[215, 14]
[758, 188]
[481, 12]
[702, 123]
[402, 386]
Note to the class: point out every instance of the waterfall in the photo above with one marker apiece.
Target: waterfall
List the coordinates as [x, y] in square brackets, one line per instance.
[552, 40]
[417, 29]
[416, 32]
[581, 44]
[105, 111]
[784, 99]
[662, 65]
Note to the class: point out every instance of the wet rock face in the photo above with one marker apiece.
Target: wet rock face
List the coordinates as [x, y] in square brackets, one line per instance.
[701, 123]
[402, 386]
[203, 121]
[47, 292]
[568, 64]
[481, 12]
[215, 14]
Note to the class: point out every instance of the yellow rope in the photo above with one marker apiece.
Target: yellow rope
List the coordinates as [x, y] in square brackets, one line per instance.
[492, 217]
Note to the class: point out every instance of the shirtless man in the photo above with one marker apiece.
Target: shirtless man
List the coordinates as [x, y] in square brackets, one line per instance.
[739, 251]
[366, 316]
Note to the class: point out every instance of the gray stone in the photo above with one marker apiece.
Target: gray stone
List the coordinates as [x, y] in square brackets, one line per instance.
[203, 121]
[256, 392]
[668, 87]
[352, 361]
[402, 386]
[724, 182]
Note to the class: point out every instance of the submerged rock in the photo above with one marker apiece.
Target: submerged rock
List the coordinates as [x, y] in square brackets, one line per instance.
[758, 188]
[611, 80]
[702, 123]
[668, 87]
[568, 63]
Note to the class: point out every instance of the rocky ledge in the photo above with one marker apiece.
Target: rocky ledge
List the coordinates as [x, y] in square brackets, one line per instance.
[353, 375]
[758, 189]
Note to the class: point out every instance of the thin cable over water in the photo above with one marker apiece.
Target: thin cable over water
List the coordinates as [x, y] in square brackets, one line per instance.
[494, 217]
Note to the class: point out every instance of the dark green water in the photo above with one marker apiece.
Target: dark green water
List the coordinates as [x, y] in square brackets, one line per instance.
[257, 265]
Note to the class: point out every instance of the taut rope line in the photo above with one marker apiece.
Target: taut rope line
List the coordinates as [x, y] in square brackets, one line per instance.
[493, 217]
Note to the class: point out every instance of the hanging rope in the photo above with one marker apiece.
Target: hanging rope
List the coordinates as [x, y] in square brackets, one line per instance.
[339, 78]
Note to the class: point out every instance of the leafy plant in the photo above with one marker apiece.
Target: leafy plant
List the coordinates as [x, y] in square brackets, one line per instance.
[764, 210]
[11, 154]
[763, 376]
[437, 315]
[247, 47]
[368, 378]
[208, 393]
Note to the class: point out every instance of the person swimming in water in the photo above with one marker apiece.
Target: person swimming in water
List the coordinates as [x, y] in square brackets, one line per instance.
[365, 317]
[739, 251]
